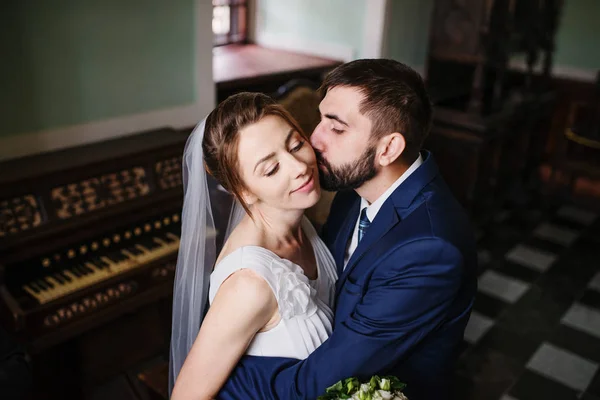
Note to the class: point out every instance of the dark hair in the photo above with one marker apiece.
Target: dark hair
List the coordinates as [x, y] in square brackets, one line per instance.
[221, 136]
[395, 99]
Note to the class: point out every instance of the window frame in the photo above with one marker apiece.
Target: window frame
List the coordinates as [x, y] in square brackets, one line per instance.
[238, 23]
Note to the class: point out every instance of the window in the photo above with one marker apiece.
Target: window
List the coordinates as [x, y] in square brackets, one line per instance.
[230, 21]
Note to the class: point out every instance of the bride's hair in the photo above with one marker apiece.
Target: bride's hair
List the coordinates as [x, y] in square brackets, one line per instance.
[221, 136]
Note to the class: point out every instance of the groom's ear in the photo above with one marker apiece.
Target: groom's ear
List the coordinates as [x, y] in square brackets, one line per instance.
[390, 148]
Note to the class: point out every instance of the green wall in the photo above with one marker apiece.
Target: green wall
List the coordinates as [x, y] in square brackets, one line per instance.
[338, 22]
[578, 35]
[73, 61]
[408, 32]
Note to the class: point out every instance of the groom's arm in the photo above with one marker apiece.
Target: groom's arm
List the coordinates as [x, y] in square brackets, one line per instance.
[408, 296]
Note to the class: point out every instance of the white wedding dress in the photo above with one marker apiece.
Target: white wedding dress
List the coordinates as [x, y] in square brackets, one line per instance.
[305, 306]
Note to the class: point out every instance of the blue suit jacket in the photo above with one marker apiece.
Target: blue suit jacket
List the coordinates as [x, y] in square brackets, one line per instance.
[402, 302]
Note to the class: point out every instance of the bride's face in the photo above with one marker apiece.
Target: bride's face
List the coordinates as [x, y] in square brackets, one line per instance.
[278, 165]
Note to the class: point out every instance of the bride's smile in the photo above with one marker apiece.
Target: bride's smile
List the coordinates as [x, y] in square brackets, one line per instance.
[278, 166]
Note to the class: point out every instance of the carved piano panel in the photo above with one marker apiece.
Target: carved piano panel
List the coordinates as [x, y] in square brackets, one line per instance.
[89, 239]
[78, 198]
[19, 214]
[168, 172]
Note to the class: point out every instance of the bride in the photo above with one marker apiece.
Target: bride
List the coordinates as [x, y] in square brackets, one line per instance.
[273, 284]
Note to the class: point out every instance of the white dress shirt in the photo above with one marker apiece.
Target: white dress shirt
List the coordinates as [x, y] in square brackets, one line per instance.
[373, 209]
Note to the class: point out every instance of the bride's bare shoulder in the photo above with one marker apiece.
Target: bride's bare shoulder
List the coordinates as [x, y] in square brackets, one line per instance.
[243, 235]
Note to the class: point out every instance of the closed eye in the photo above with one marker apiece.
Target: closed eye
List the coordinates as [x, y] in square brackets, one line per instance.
[338, 131]
[272, 171]
[297, 147]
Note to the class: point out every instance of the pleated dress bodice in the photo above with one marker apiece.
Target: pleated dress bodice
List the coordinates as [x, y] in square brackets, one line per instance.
[305, 306]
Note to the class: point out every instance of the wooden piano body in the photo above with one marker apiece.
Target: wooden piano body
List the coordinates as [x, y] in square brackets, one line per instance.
[88, 247]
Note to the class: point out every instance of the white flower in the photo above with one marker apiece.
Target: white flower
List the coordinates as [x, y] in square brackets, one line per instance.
[294, 293]
[384, 394]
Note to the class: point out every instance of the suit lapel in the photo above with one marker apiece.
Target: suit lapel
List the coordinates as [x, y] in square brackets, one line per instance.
[395, 208]
[343, 236]
[385, 220]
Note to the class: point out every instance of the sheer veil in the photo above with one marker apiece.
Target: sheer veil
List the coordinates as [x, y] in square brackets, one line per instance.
[197, 253]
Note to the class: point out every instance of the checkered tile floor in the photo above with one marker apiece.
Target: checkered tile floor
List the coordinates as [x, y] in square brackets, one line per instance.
[535, 328]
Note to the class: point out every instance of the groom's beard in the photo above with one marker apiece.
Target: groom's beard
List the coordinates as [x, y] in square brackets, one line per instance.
[347, 176]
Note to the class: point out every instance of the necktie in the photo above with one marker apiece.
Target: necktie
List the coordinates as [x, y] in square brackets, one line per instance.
[363, 224]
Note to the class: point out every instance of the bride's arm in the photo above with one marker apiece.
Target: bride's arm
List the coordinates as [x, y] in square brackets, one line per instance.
[242, 306]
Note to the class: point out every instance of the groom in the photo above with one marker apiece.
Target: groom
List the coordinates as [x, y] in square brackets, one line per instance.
[403, 246]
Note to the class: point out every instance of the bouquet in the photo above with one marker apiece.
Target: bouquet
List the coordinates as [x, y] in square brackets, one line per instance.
[384, 388]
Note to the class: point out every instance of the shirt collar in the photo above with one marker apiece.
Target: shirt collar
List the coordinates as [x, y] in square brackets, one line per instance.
[374, 208]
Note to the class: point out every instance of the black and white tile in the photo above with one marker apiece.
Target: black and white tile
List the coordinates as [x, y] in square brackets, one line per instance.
[534, 332]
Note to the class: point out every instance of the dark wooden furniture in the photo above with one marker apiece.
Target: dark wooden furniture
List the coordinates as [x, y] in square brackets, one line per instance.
[488, 160]
[575, 153]
[253, 68]
[154, 382]
[88, 244]
[487, 119]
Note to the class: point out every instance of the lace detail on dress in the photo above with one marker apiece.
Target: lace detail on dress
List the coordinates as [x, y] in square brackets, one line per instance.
[294, 293]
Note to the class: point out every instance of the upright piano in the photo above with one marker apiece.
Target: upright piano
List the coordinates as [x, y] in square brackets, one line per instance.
[88, 246]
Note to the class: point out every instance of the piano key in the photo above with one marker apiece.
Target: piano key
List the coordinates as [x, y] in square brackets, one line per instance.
[167, 238]
[57, 291]
[87, 269]
[133, 250]
[124, 262]
[72, 284]
[65, 276]
[172, 236]
[75, 272]
[71, 275]
[77, 268]
[84, 270]
[167, 245]
[52, 279]
[55, 283]
[111, 259]
[32, 292]
[116, 257]
[36, 291]
[42, 284]
[60, 278]
[160, 242]
[98, 262]
[35, 287]
[147, 244]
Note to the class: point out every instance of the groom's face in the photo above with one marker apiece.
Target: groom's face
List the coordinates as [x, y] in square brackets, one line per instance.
[342, 141]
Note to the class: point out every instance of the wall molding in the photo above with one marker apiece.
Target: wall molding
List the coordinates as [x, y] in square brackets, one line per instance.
[76, 135]
[23, 144]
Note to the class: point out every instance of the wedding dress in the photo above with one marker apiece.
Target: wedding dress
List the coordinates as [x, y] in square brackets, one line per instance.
[305, 306]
